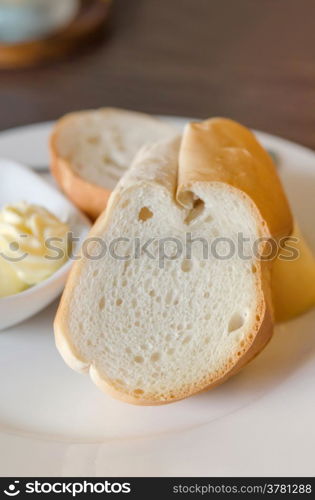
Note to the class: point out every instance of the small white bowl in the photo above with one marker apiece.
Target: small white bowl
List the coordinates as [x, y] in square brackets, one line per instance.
[18, 183]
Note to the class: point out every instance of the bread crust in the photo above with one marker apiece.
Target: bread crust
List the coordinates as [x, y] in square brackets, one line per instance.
[262, 328]
[222, 150]
[90, 198]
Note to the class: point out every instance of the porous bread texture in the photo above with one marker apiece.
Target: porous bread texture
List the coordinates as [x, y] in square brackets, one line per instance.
[102, 144]
[151, 333]
[91, 150]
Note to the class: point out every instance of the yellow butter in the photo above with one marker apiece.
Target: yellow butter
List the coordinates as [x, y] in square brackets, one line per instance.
[33, 245]
[293, 281]
[10, 283]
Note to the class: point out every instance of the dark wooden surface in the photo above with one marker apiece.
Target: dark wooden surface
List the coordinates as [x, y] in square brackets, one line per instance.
[252, 60]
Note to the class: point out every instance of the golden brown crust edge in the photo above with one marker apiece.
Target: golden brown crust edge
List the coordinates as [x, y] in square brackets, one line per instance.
[88, 197]
[223, 150]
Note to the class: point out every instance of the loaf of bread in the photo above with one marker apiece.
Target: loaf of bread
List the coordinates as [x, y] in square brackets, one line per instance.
[91, 150]
[158, 325]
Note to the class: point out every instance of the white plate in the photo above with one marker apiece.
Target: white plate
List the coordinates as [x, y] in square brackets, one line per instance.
[55, 422]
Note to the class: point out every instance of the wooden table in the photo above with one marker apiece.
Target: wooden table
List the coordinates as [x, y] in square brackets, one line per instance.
[252, 60]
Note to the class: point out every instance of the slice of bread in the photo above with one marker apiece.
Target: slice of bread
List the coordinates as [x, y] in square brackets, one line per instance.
[91, 150]
[158, 327]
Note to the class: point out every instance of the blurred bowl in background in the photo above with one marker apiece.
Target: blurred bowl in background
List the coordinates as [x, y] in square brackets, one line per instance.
[22, 20]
